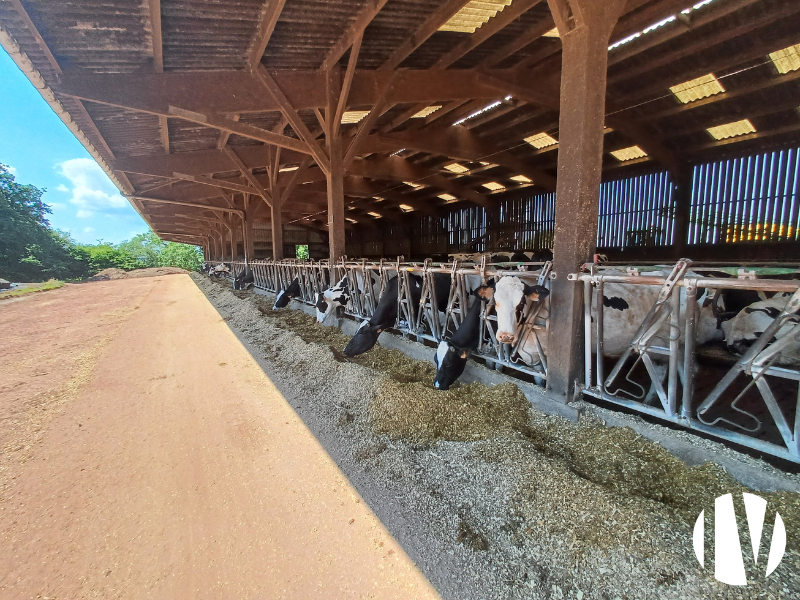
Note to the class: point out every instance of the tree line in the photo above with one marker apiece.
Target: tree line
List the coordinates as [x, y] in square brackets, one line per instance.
[32, 250]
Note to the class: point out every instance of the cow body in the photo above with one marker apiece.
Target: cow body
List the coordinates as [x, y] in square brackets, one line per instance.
[385, 316]
[748, 325]
[329, 300]
[244, 280]
[286, 294]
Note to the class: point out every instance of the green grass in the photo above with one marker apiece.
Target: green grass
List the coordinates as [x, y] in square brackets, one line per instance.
[53, 284]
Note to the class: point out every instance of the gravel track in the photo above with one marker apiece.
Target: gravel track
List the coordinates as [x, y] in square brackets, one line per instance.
[531, 507]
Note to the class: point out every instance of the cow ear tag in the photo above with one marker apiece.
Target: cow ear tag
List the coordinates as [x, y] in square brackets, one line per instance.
[464, 354]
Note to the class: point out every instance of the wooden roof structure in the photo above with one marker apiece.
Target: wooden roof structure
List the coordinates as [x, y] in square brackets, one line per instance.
[198, 108]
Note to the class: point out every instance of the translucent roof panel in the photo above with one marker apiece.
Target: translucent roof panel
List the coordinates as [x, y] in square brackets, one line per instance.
[474, 14]
[374, 214]
[494, 186]
[629, 153]
[426, 111]
[787, 60]
[721, 132]
[541, 140]
[695, 89]
[448, 197]
[456, 168]
[406, 208]
[521, 179]
[353, 116]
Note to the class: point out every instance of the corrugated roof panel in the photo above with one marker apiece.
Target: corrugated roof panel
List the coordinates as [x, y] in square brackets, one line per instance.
[786, 60]
[189, 137]
[629, 153]
[721, 132]
[208, 34]
[474, 14]
[697, 89]
[127, 132]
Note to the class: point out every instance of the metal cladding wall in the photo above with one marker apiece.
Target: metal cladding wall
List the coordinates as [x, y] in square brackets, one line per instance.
[740, 208]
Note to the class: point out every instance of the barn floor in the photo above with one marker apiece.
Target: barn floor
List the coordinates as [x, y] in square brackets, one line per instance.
[145, 454]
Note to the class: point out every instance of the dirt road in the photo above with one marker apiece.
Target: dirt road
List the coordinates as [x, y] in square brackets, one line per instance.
[146, 455]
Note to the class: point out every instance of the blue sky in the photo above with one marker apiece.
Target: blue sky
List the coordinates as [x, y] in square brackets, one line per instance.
[41, 151]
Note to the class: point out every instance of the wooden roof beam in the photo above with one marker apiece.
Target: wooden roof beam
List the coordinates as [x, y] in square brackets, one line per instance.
[181, 203]
[270, 14]
[348, 81]
[430, 26]
[532, 34]
[294, 118]
[257, 187]
[355, 31]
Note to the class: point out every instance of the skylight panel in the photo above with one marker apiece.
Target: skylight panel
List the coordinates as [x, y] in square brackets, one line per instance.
[406, 208]
[428, 110]
[456, 168]
[378, 198]
[351, 220]
[737, 128]
[521, 179]
[553, 33]
[474, 14]
[448, 198]
[786, 60]
[353, 116]
[374, 214]
[695, 89]
[416, 186]
[629, 153]
[541, 140]
[287, 169]
[494, 186]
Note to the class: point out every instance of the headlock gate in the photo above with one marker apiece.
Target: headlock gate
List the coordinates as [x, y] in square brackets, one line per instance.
[655, 375]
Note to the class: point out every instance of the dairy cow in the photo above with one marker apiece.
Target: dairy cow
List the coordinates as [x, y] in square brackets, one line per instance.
[244, 279]
[452, 354]
[748, 325]
[329, 300]
[283, 297]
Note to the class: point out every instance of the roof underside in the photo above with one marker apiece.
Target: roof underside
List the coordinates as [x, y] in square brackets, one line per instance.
[126, 72]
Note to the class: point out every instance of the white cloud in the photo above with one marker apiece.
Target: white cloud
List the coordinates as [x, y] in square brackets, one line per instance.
[11, 170]
[62, 188]
[88, 230]
[92, 190]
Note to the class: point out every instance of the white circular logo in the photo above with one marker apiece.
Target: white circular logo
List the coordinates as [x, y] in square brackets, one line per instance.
[728, 560]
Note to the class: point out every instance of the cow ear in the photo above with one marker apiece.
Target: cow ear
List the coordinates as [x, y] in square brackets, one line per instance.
[484, 292]
[536, 292]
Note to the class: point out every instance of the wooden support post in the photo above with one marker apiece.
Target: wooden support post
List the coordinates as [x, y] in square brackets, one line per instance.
[682, 196]
[335, 174]
[249, 209]
[277, 228]
[584, 27]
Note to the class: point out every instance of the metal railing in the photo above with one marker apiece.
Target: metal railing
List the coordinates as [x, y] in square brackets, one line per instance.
[664, 344]
[420, 319]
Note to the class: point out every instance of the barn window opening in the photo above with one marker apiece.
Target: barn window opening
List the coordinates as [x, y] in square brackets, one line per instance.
[737, 128]
[301, 251]
[696, 89]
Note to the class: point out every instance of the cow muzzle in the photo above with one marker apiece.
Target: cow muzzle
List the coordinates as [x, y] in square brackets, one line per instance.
[506, 338]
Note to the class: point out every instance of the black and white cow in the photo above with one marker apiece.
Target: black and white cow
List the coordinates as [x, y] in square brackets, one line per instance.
[329, 300]
[747, 326]
[451, 355]
[532, 256]
[385, 316]
[219, 270]
[244, 280]
[283, 297]
[511, 296]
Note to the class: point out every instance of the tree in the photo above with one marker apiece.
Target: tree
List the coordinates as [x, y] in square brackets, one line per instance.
[145, 247]
[30, 250]
[181, 255]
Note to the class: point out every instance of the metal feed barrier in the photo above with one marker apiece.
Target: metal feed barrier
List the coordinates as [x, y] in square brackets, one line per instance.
[667, 359]
[421, 320]
[657, 343]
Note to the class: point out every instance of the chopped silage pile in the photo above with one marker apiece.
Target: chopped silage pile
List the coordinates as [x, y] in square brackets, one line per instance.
[493, 499]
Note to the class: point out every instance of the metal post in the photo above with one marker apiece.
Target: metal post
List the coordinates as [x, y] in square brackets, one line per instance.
[584, 27]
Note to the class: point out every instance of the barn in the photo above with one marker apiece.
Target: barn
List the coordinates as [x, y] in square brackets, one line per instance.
[647, 146]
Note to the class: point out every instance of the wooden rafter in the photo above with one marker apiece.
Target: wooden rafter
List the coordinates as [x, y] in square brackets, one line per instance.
[257, 187]
[495, 24]
[217, 183]
[269, 18]
[530, 35]
[430, 26]
[348, 81]
[181, 203]
[293, 117]
[356, 30]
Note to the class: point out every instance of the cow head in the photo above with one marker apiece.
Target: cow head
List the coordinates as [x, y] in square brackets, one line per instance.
[293, 291]
[364, 339]
[510, 296]
[328, 301]
[451, 358]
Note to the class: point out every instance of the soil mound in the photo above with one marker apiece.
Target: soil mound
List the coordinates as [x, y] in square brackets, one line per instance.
[114, 273]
